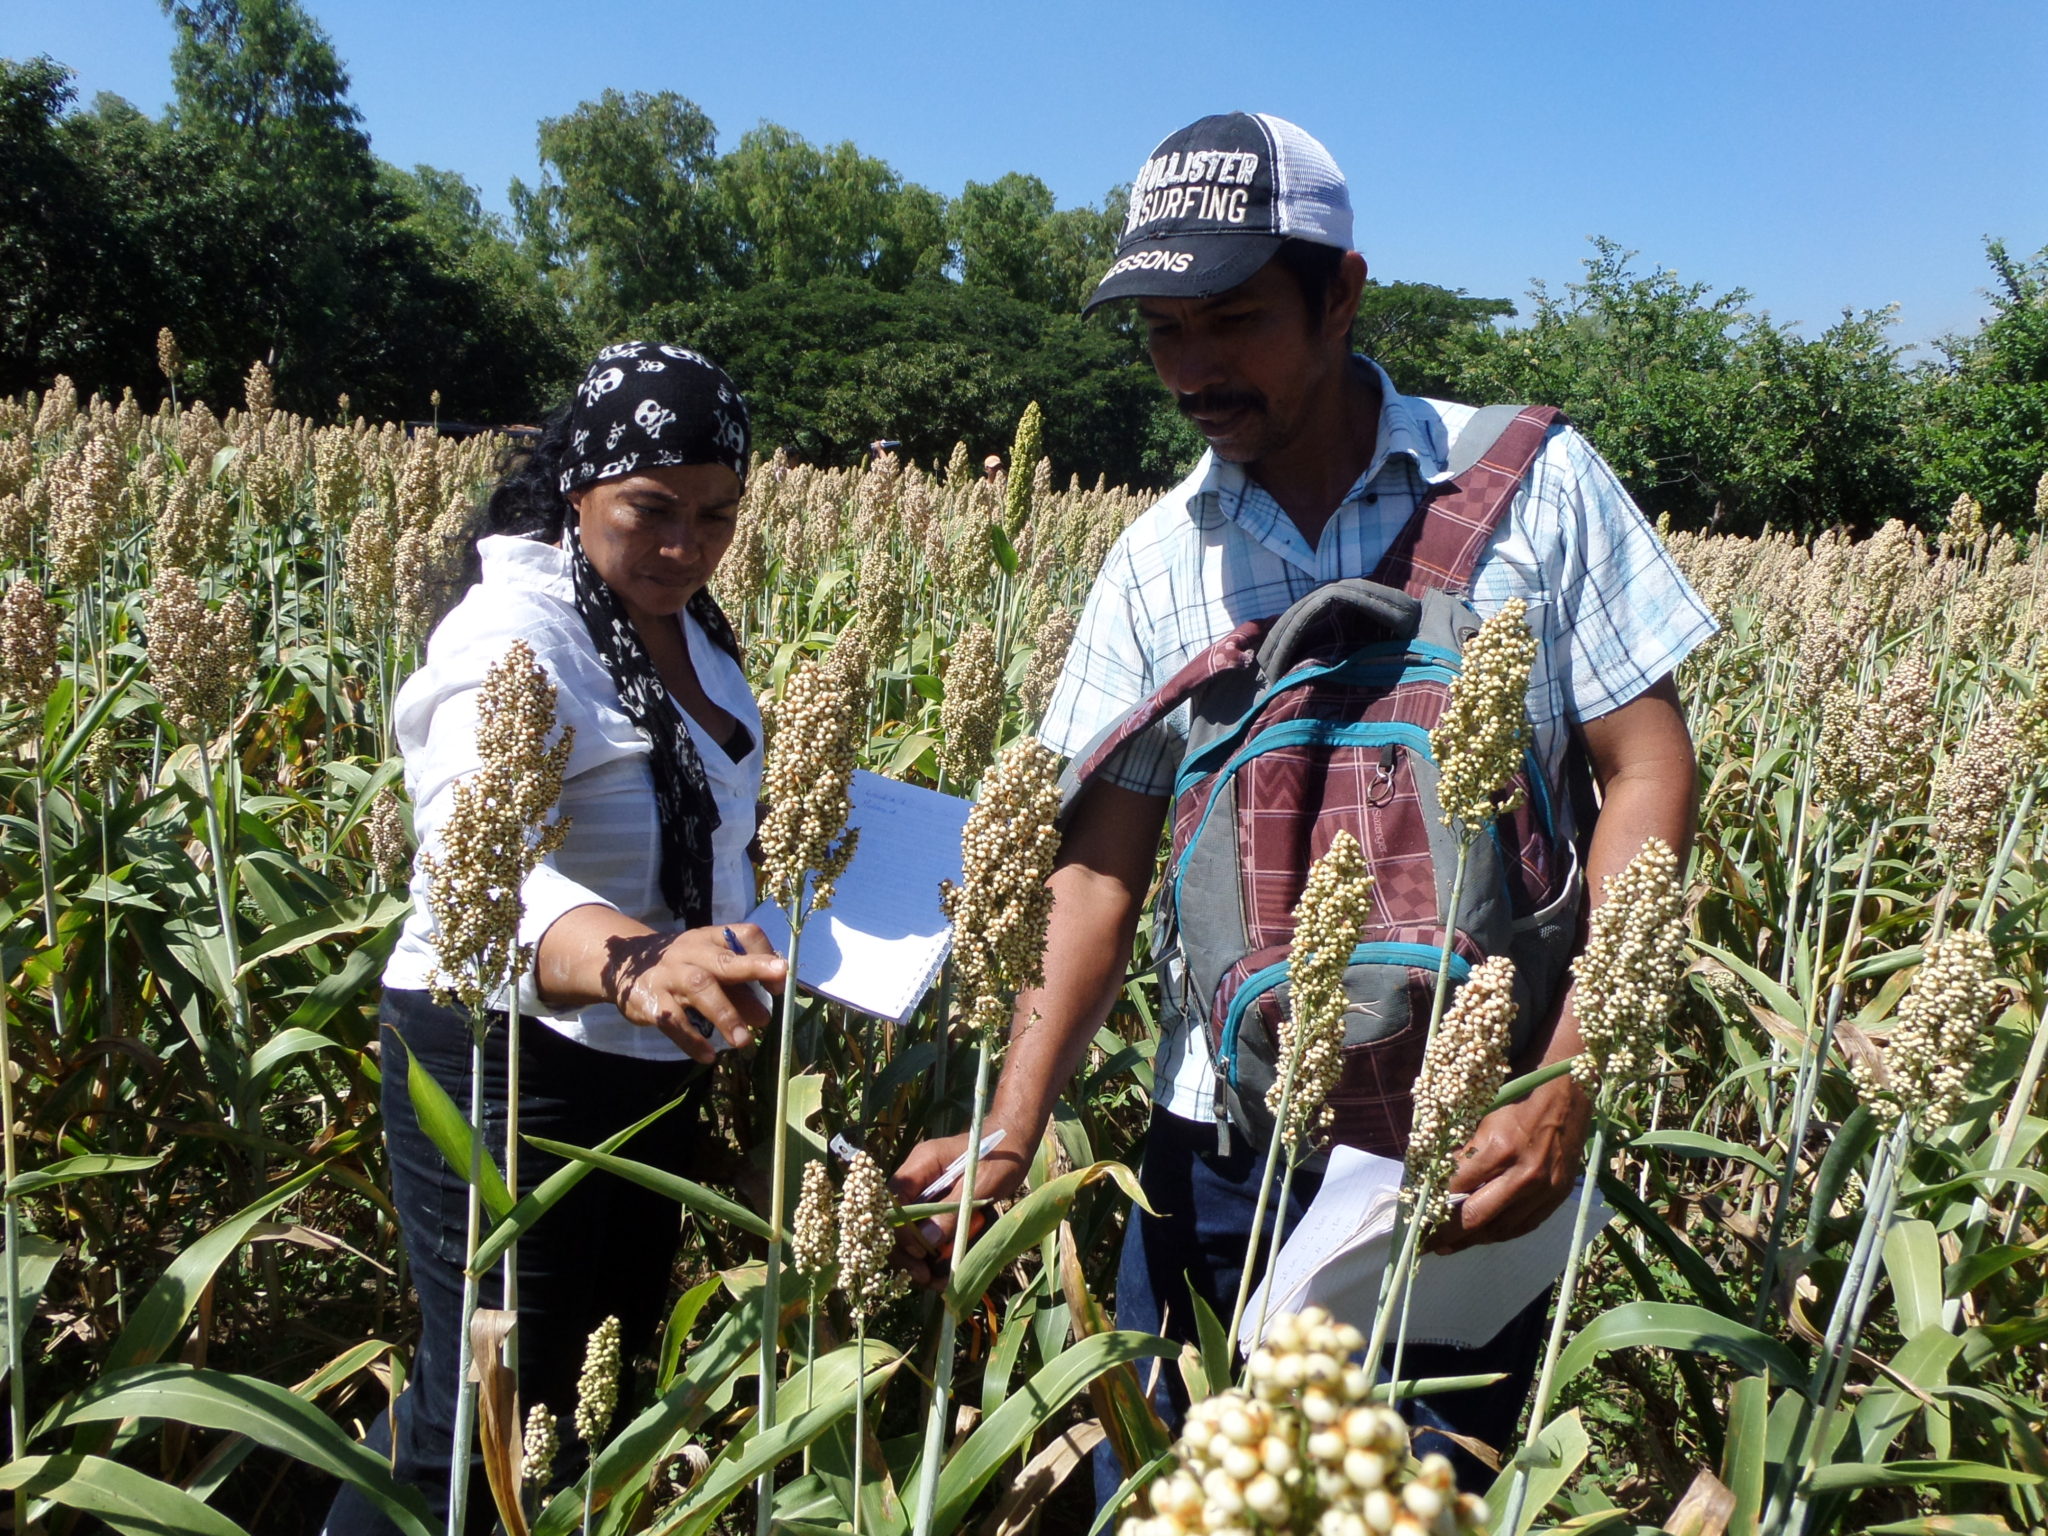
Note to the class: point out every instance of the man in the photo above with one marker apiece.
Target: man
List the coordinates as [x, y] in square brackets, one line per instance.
[1239, 256]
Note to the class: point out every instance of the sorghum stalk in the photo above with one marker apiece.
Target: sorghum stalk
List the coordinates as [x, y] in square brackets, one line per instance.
[1328, 918]
[1625, 982]
[805, 847]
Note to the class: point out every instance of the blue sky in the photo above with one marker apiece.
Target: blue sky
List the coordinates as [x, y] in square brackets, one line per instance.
[1820, 154]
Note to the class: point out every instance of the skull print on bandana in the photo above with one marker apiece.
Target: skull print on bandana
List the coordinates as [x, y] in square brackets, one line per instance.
[662, 405]
[647, 405]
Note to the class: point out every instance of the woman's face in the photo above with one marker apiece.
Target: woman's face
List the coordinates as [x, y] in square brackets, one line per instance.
[656, 537]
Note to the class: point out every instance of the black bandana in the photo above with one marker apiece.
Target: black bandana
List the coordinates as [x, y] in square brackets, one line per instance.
[648, 405]
[682, 794]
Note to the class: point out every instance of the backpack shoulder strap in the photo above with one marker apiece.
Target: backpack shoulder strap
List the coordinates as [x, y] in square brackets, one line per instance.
[1454, 521]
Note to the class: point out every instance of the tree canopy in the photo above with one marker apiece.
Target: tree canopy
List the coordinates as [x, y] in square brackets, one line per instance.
[255, 221]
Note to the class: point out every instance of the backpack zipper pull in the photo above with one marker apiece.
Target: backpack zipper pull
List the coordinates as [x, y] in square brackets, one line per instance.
[1222, 1116]
[1381, 790]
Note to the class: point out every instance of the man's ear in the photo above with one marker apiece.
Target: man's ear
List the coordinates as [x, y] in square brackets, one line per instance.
[1345, 292]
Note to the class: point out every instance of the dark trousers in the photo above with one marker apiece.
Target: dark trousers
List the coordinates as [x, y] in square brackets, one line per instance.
[606, 1250]
[1199, 1238]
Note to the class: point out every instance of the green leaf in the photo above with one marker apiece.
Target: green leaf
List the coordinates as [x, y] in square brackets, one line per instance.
[1845, 1476]
[1516, 1089]
[282, 1047]
[157, 1319]
[1552, 1457]
[1676, 1325]
[542, 1199]
[680, 1322]
[1694, 1144]
[1775, 997]
[628, 1459]
[270, 1415]
[352, 914]
[56, 767]
[1020, 1227]
[704, 1201]
[1218, 1358]
[1943, 1525]
[1965, 1275]
[91, 1165]
[1912, 1260]
[1888, 1408]
[36, 1262]
[964, 1473]
[1743, 1462]
[130, 1502]
[746, 1459]
[1000, 546]
[449, 1130]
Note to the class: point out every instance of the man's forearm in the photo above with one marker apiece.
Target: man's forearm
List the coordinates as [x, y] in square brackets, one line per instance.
[1088, 946]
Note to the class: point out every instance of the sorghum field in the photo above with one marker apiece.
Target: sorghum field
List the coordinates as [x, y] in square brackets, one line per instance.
[1821, 1308]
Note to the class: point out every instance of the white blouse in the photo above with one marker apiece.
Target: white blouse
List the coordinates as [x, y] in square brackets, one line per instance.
[612, 856]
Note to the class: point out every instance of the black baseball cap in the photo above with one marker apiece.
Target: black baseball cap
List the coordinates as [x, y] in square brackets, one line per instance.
[1213, 202]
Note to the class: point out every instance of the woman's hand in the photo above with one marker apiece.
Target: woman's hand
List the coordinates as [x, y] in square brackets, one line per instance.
[660, 980]
[596, 954]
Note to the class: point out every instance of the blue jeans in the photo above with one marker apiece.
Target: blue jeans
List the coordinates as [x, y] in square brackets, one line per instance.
[1198, 1240]
[606, 1250]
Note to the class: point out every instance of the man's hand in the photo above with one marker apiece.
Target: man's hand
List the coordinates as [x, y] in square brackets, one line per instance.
[924, 1249]
[1522, 1163]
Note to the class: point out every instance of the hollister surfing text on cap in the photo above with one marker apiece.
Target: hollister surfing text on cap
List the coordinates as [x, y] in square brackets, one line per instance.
[1212, 203]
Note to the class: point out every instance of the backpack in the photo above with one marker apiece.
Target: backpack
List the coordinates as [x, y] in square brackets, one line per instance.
[1318, 720]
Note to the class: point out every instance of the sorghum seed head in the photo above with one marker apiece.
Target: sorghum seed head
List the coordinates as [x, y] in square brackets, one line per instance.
[1462, 1069]
[811, 1235]
[805, 781]
[1328, 919]
[1484, 731]
[1939, 1030]
[1000, 908]
[865, 1235]
[597, 1388]
[1628, 973]
[28, 645]
[538, 1447]
[972, 712]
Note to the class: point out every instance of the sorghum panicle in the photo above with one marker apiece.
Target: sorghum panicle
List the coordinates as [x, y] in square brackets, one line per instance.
[1627, 975]
[805, 781]
[1484, 731]
[1328, 920]
[810, 1234]
[865, 1235]
[1301, 1449]
[198, 657]
[1971, 791]
[28, 645]
[1000, 908]
[1463, 1068]
[973, 709]
[1049, 645]
[1939, 1029]
[537, 1448]
[597, 1388]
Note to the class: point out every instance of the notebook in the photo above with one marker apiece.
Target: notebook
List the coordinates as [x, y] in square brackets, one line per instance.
[879, 946]
[1337, 1252]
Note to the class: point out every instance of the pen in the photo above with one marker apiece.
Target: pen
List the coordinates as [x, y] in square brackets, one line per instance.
[958, 1166]
[732, 943]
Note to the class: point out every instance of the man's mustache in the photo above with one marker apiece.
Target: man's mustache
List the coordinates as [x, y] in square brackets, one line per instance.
[1217, 402]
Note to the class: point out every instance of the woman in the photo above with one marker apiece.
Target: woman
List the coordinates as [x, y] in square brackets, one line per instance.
[598, 549]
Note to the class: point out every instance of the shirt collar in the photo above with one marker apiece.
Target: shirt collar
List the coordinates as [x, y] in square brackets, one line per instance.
[510, 560]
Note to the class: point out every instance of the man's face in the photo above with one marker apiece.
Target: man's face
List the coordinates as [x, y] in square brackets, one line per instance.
[1246, 365]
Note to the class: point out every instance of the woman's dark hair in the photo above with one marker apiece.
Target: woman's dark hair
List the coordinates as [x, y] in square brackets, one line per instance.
[527, 502]
[1314, 268]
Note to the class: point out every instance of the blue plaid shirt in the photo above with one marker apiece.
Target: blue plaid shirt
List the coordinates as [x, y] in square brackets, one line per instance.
[1607, 604]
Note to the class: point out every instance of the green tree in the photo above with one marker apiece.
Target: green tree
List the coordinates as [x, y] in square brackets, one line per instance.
[1427, 338]
[1012, 239]
[1980, 422]
[620, 221]
[830, 365]
[793, 210]
[1707, 411]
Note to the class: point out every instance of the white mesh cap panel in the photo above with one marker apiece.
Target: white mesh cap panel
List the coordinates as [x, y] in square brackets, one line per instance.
[1314, 202]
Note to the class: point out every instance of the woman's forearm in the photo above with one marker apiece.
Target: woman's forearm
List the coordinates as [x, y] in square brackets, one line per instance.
[586, 954]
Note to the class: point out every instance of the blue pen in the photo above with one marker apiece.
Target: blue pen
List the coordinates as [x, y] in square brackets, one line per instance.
[732, 943]
[703, 1024]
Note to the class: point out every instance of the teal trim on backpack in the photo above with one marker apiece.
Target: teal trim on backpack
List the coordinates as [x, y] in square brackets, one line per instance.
[1363, 665]
[1422, 957]
[1300, 733]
